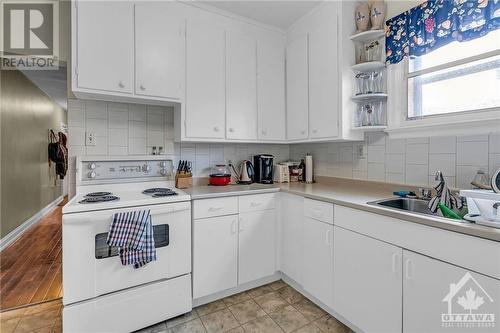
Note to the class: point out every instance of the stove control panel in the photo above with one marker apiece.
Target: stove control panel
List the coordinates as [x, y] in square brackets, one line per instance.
[125, 169]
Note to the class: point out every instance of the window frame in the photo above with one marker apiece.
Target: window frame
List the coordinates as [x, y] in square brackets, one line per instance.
[470, 122]
[412, 75]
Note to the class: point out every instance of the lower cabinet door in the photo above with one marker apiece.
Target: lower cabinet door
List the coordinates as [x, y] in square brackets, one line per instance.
[367, 282]
[318, 260]
[291, 230]
[257, 245]
[215, 255]
[440, 297]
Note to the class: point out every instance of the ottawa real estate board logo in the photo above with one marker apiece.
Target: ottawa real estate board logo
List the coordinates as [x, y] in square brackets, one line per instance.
[469, 305]
[30, 34]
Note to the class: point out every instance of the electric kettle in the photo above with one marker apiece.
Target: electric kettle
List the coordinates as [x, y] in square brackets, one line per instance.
[246, 172]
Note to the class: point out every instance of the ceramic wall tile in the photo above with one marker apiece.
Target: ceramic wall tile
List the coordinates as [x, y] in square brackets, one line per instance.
[417, 154]
[446, 163]
[443, 145]
[472, 153]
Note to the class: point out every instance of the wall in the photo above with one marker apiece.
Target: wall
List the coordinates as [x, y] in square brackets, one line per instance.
[406, 161]
[27, 183]
[133, 129]
[395, 7]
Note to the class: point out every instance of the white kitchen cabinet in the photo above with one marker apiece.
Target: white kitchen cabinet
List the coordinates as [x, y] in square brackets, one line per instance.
[159, 50]
[317, 269]
[241, 87]
[104, 46]
[432, 288]
[257, 245]
[367, 282]
[271, 90]
[215, 255]
[292, 216]
[323, 81]
[297, 95]
[205, 80]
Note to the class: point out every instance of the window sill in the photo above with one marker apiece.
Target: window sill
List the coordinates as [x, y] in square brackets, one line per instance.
[471, 127]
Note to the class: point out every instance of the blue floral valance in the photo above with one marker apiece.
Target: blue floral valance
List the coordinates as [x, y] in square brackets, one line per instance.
[436, 23]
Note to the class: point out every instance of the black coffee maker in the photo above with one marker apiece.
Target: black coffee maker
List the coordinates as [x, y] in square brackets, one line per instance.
[263, 166]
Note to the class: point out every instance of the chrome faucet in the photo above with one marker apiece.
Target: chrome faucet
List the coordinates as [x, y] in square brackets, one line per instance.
[439, 176]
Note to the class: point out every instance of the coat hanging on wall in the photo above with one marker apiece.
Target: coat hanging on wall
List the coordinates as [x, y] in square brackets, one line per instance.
[58, 152]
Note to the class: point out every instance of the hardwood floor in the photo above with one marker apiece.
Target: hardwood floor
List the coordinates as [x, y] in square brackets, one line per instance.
[31, 267]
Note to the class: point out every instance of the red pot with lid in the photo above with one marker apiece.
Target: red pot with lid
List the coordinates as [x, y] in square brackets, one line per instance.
[220, 175]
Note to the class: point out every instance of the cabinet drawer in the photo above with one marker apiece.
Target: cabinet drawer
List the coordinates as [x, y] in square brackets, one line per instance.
[215, 207]
[252, 203]
[318, 210]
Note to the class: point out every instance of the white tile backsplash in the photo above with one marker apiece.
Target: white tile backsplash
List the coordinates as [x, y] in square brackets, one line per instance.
[132, 129]
[443, 144]
[446, 163]
[411, 161]
[417, 154]
[472, 153]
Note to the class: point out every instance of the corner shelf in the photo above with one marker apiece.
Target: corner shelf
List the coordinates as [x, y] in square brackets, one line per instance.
[368, 35]
[364, 97]
[368, 66]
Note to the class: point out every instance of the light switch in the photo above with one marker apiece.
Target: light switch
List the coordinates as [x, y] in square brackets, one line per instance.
[90, 139]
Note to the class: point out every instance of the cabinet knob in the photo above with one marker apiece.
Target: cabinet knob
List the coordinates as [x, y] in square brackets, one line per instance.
[142, 87]
[303, 132]
[315, 131]
[231, 129]
[121, 84]
[216, 129]
[264, 132]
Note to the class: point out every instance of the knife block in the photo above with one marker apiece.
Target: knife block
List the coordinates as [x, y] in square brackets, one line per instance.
[183, 180]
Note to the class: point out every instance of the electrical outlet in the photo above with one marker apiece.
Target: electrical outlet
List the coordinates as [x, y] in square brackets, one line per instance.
[360, 152]
[90, 139]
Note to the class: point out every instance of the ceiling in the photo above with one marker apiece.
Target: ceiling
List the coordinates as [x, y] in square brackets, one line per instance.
[280, 14]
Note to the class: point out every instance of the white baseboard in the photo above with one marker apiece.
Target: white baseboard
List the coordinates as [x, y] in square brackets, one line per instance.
[14, 234]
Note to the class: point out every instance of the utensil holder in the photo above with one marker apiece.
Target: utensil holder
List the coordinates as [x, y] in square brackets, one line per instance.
[183, 180]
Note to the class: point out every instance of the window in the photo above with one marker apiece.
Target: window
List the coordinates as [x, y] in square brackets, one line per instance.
[458, 77]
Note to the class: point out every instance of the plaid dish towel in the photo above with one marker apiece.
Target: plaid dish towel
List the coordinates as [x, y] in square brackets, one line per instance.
[132, 233]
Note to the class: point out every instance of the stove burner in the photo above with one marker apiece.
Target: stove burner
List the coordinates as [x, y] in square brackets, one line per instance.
[97, 194]
[159, 192]
[156, 190]
[104, 198]
[164, 194]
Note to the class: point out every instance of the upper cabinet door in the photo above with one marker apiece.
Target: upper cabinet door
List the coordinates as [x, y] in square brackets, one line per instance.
[105, 43]
[297, 89]
[271, 90]
[241, 87]
[205, 80]
[159, 45]
[323, 81]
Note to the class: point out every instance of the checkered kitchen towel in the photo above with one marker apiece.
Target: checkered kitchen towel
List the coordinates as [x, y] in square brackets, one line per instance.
[132, 232]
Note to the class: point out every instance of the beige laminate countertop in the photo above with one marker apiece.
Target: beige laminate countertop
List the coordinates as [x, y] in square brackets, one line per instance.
[349, 193]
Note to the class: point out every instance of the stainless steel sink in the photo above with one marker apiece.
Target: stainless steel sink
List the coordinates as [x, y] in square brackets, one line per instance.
[410, 205]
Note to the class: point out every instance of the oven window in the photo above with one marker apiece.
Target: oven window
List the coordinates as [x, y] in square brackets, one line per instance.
[102, 250]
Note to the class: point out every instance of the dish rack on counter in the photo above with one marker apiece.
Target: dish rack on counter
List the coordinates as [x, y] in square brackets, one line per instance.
[369, 75]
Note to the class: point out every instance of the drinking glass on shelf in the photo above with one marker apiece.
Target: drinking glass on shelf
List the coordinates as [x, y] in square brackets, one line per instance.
[377, 82]
[360, 84]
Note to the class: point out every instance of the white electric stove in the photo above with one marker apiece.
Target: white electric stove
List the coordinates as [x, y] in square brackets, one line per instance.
[99, 293]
